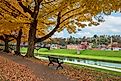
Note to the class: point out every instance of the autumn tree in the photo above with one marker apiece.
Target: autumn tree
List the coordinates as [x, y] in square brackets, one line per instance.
[69, 14]
[8, 36]
[6, 40]
[15, 35]
[34, 11]
[12, 18]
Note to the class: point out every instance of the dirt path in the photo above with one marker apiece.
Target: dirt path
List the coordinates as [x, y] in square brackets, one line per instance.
[40, 70]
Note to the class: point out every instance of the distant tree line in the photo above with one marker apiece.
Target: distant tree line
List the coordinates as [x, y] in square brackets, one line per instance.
[96, 40]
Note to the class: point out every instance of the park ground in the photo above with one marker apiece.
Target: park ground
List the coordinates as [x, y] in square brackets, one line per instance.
[18, 68]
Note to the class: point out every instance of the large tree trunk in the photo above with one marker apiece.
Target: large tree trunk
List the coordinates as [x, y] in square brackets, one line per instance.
[32, 31]
[18, 42]
[31, 39]
[6, 46]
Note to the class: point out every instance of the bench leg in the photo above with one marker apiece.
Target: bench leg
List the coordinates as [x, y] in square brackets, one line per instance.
[50, 63]
[59, 66]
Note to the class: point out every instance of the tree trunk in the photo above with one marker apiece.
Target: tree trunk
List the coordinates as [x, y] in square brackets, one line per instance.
[6, 40]
[17, 52]
[31, 39]
[32, 31]
[18, 42]
[6, 46]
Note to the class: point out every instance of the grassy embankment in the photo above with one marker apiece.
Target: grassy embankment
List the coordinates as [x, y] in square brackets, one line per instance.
[113, 56]
[96, 69]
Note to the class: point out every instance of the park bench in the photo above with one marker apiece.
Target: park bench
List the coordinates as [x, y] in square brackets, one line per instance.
[55, 60]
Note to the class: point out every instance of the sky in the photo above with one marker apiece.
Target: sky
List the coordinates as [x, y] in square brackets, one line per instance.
[111, 26]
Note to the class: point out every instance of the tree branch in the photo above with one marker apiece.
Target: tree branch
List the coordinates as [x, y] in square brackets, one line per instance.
[13, 8]
[48, 2]
[36, 9]
[10, 40]
[65, 6]
[2, 15]
[2, 38]
[10, 13]
[52, 32]
[72, 16]
[25, 8]
[13, 36]
[70, 11]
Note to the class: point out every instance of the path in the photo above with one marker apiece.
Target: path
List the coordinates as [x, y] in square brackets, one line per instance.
[40, 70]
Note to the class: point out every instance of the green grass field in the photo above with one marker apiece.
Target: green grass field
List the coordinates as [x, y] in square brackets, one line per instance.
[114, 56]
[96, 69]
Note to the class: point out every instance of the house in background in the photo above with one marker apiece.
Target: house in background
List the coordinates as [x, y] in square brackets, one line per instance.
[71, 46]
[82, 46]
[115, 46]
[55, 46]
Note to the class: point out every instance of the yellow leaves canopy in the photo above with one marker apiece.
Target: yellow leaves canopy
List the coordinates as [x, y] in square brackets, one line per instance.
[73, 13]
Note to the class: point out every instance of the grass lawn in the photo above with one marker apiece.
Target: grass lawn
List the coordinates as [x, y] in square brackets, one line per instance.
[96, 69]
[114, 56]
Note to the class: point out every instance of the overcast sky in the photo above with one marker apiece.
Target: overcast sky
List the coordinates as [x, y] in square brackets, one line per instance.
[111, 26]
